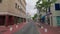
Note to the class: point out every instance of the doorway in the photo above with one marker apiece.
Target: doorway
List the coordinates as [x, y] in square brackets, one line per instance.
[2, 20]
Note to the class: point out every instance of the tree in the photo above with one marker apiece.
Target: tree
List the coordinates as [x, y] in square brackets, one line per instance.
[35, 16]
[45, 4]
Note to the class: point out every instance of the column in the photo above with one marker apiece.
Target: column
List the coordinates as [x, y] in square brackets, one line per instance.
[6, 20]
[23, 20]
[12, 20]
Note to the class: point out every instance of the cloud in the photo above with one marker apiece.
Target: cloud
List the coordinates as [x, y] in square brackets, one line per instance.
[30, 7]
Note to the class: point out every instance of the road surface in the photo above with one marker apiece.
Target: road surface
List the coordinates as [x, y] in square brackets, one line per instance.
[29, 28]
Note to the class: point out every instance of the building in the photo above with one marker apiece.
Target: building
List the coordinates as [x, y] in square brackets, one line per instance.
[28, 17]
[55, 16]
[12, 11]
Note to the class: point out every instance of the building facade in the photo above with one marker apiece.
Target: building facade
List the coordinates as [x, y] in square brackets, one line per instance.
[55, 17]
[52, 18]
[12, 11]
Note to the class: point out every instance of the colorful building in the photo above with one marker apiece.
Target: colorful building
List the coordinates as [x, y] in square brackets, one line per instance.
[12, 12]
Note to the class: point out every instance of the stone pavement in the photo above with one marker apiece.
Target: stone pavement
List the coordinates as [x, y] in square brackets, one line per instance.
[46, 29]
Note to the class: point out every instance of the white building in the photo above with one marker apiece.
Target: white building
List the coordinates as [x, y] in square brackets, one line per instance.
[55, 17]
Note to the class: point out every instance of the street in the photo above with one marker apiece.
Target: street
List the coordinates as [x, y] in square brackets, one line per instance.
[29, 28]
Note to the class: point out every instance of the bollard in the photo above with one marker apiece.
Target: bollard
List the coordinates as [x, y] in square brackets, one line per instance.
[16, 26]
[41, 27]
[45, 30]
[11, 28]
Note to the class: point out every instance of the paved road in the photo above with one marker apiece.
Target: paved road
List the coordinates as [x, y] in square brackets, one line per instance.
[29, 28]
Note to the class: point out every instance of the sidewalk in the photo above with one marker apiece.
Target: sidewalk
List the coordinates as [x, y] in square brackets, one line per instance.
[6, 30]
[50, 29]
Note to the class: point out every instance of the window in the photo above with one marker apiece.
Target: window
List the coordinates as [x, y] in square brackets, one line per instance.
[57, 6]
[18, 6]
[0, 1]
[58, 20]
[15, 5]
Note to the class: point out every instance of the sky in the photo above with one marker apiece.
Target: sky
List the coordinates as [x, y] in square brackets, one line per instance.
[30, 7]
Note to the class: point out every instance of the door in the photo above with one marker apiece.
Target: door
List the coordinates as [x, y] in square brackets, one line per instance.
[58, 20]
[2, 20]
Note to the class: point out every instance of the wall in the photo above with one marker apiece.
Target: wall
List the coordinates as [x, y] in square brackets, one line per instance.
[55, 13]
[8, 7]
[3, 7]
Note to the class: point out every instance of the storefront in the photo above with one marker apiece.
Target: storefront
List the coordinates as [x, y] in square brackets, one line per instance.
[7, 20]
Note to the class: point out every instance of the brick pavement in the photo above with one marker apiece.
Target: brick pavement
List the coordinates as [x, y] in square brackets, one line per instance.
[6, 30]
[50, 29]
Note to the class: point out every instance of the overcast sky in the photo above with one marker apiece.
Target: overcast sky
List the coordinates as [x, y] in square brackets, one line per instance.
[30, 7]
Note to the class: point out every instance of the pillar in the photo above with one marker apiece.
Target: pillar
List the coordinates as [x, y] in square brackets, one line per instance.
[12, 20]
[23, 20]
[6, 20]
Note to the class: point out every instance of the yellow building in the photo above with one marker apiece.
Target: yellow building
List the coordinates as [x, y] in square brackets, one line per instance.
[12, 11]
